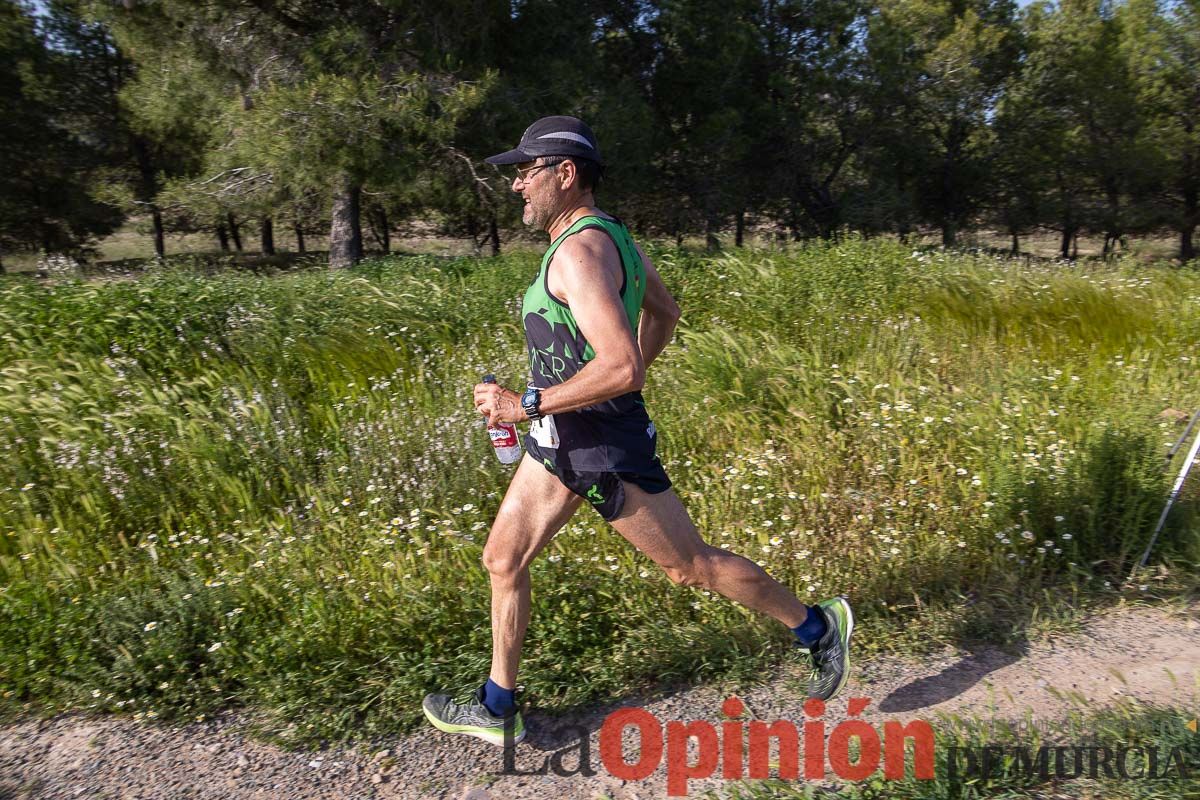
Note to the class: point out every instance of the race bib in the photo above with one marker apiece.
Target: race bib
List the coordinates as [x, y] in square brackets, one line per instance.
[544, 432]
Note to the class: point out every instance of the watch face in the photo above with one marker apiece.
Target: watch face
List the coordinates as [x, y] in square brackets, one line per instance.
[530, 401]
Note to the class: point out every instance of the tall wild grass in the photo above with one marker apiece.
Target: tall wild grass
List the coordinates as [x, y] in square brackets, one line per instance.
[273, 491]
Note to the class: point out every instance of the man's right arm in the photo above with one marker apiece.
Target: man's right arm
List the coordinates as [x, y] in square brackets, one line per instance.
[660, 312]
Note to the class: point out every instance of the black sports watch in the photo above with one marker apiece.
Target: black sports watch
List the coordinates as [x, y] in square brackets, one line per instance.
[531, 402]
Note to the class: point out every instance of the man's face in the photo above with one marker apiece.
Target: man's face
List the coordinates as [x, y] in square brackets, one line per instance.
[537, 184]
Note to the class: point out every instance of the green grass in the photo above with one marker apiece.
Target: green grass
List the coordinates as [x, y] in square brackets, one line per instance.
[272, 492]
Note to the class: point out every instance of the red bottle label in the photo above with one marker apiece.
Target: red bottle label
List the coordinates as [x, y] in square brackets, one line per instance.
[503, 435]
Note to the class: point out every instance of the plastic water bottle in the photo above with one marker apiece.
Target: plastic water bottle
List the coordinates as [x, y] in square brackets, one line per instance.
[504, 436]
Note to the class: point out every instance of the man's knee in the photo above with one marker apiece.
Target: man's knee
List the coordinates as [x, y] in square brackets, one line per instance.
[501, 558]
[696, 572]
[502, 563]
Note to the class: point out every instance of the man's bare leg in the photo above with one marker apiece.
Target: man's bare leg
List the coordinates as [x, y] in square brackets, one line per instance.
[659, 526]
[535, 507]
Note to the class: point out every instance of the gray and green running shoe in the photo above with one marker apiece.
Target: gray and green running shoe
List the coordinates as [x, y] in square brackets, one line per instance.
[831, 654]
[470, 716]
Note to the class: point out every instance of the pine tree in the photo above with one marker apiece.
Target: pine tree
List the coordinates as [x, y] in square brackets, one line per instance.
[316, 97]
[50, 152]
[948, 61]
[1163, 47]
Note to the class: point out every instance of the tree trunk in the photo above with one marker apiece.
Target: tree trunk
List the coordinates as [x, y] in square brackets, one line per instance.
[1068, 233]
[1190, 184]
[1111, 240]
[223, 238]
[823, 209]
[234, 232]
[385, 234]
[345, 229]
[148, 189]
[268, 236]
[299, 237]
[160, 248]
[711, 242]
[1191, 199]
[740, 236]
[1112, 226]
[949, 233]
[2, 269]
[952, 201]
[494, 234]
[902, 226]
[1016, 244]
[473, 232]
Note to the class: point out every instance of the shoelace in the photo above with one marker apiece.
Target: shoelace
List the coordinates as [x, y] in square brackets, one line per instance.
[470, 697]
[820, 659]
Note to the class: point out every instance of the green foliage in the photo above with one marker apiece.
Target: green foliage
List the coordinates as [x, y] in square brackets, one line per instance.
[1069, 128]
[299, 105]
[1162, 45]
[949, 61]
[785, 119]
[50, 155]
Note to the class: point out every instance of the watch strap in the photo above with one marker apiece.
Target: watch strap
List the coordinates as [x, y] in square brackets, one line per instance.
[531, 401]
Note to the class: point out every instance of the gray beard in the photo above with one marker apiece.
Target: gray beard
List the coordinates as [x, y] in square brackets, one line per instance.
[531, 217]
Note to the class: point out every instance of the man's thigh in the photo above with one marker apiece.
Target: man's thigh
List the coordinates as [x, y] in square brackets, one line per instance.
[535, 507]
[659, 526]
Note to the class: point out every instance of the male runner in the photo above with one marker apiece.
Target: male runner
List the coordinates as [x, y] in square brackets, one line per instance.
[588, 354]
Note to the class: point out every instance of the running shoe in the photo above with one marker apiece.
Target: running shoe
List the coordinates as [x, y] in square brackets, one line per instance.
[830, 656]
[470, 716]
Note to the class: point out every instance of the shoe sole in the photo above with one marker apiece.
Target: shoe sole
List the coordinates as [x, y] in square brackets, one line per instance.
[845, 647]
[479, 733]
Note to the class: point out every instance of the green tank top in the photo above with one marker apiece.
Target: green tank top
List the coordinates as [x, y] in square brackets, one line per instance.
[613, 435]
[557, 349]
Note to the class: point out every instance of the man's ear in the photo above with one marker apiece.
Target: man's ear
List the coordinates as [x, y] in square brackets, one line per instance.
[569, 175]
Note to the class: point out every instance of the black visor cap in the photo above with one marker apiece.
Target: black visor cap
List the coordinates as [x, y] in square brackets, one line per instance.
[552, 136]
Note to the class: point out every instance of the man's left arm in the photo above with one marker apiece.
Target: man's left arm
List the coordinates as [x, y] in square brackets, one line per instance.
[660, 314]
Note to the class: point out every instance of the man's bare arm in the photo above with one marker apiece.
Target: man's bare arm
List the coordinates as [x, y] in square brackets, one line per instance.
[588, 267]
[586, 272]
[660, 313]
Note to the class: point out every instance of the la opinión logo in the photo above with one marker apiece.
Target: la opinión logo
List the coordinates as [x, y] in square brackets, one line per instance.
[740, 749]
[1126, 762]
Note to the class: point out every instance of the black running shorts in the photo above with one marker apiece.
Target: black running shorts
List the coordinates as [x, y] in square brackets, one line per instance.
[604, 490]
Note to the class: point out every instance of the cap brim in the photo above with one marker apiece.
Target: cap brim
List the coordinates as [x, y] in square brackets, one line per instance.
[510, 157]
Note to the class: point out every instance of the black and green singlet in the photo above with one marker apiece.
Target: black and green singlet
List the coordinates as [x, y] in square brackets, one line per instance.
[616, 434]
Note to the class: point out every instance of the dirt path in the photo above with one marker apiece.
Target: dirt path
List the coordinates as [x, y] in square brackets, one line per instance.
[1150, 655]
